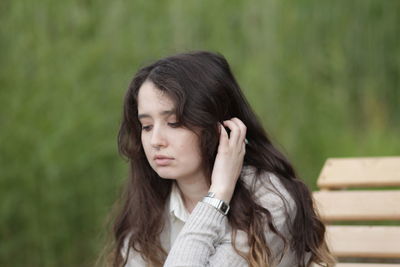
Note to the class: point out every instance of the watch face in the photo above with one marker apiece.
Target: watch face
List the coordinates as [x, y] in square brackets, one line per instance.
[218, 204]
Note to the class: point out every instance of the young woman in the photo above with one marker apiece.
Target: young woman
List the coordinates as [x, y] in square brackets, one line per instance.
[206, 185]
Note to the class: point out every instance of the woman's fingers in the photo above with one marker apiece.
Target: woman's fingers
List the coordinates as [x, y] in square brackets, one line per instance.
[234, 131]
[238, 131]
[223, 137]
[243, 129]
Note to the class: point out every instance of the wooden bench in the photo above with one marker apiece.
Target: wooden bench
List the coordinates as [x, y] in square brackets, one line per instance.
[359, 200]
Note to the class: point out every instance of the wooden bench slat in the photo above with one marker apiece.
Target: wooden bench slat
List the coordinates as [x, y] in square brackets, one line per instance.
[358, 205]
[360, 172]
[364, 241]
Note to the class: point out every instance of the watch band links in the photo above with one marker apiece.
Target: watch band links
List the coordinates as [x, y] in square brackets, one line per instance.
[220, 205]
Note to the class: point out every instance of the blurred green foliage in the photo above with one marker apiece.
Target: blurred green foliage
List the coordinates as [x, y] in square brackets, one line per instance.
[322, 75]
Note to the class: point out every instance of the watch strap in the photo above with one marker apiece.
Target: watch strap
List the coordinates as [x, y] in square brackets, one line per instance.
[218, 204]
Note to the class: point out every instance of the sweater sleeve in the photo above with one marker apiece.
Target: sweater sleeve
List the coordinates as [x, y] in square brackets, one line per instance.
[197, 241]
[205, 240]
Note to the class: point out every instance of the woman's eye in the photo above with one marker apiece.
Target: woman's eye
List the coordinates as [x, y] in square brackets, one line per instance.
[146, 128]
[174, 124]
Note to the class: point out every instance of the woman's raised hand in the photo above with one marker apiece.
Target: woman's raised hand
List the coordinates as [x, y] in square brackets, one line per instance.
[229, 160]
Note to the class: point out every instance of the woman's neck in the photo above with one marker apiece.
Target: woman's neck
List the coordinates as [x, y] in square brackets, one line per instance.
[192, 191]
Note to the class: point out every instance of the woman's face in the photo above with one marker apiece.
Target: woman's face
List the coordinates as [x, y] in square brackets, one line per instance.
[172, 150]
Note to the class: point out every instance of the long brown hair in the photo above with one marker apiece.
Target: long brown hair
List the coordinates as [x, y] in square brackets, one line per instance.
[205, 92]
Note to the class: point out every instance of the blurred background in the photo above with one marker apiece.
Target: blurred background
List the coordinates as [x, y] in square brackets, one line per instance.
[323, 76]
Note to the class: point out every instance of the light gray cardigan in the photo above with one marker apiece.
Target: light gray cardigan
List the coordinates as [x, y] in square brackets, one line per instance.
[205, 239]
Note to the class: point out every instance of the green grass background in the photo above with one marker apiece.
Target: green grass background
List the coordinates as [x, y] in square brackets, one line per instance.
[322, 75]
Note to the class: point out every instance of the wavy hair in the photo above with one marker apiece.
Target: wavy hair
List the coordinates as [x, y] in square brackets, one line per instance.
[205, 92]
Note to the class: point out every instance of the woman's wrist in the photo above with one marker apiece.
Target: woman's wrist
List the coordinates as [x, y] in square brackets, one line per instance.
[224, 194]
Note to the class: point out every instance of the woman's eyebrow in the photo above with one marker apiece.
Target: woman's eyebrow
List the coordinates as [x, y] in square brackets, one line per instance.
[162, 113]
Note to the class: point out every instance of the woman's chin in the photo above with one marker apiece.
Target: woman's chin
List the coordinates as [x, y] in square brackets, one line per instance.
[165, 174]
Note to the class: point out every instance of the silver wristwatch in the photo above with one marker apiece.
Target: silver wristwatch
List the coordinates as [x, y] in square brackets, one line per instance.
[220, 205]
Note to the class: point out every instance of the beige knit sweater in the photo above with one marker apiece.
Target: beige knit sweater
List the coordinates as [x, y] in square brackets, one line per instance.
[205, 239]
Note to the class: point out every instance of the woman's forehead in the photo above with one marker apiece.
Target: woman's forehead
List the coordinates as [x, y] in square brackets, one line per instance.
[153, 100]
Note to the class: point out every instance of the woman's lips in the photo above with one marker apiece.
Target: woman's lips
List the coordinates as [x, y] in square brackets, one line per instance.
[163, 161]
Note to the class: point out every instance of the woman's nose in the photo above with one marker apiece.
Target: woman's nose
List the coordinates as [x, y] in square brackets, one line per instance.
[158, 138]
